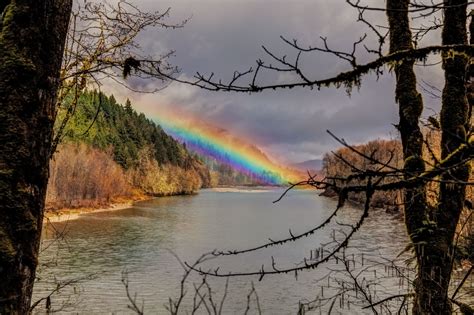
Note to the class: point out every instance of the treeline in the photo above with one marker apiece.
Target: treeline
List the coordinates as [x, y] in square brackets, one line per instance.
[225, 175]
[168, 179]
[108, 150]
[345, 161]
[82, 176]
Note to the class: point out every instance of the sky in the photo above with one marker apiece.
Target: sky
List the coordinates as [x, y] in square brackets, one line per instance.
[290, 125]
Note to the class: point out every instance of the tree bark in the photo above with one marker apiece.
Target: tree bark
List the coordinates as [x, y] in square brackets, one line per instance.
[410, 109]
[32, 37]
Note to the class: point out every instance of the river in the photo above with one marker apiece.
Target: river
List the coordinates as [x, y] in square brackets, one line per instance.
[93, 251]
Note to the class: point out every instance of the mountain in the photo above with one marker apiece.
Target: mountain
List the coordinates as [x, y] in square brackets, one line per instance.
[310, 165]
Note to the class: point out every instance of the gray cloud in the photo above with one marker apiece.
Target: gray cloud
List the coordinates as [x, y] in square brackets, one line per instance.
[226, 35]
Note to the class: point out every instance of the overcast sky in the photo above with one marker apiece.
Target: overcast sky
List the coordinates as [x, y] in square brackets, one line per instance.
[227, 35]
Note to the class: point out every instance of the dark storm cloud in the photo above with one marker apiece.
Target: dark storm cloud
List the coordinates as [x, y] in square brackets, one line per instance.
[226, 35]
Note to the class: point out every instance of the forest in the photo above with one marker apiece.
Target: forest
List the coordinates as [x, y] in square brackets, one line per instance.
[109, 151]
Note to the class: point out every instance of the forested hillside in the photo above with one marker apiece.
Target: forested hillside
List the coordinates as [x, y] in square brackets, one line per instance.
[122, 129]
[107, 150]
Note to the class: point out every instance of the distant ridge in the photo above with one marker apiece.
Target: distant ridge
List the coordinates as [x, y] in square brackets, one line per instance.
[309, 165]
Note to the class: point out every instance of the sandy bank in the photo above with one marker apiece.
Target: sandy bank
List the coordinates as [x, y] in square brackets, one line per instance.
[73, 214]
[241, 189]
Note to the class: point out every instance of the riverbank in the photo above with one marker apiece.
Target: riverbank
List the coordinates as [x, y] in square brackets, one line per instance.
[241, 189]
[69, 214]
[53, 215]
[380, 202]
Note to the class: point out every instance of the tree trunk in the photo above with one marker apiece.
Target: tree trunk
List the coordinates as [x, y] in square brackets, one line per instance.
[454, 122]
[434, 271]
[432, 233]
[437, 262]
[32, 36]
[432, 279]
[410, 109]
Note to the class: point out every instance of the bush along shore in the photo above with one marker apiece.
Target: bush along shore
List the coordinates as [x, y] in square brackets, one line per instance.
[381, 150]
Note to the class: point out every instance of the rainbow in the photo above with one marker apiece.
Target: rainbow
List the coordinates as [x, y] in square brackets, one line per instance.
[216, 143]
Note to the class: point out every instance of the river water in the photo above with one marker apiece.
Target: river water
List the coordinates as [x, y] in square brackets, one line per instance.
[95, 250]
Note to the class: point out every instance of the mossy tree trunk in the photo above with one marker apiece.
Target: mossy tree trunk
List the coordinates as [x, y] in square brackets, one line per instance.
[432, 231]
[454, 122]
[32, 36]
[410, 109]
[437, 241]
